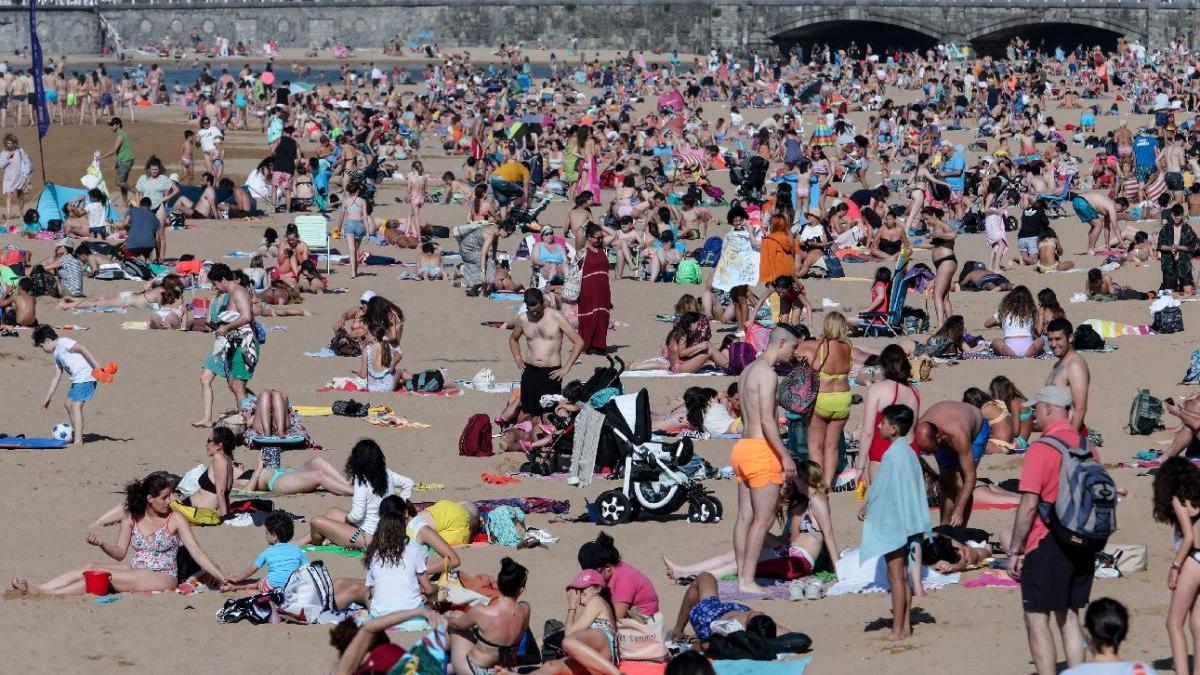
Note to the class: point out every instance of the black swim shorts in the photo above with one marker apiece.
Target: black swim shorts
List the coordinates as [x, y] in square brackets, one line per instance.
[1052, 580]
[536, 383]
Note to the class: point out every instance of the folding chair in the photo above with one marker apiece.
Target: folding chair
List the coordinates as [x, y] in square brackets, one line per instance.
[891, 321]
[314, 231]
[1056, 203]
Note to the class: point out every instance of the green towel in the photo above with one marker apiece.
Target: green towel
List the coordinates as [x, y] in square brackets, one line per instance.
[337, 550]
[897, 507]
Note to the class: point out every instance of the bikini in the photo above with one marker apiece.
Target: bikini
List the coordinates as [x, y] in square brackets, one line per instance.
[943, 243]
[878, 444]
[550, 258]
[506, 654]
[890, 247]
[1007, 446]
[831, 405]
[606, 629]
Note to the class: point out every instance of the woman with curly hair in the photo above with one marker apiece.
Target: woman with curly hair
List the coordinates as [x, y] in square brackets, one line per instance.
[372, 480]
[1017, 316]
[1177, 501]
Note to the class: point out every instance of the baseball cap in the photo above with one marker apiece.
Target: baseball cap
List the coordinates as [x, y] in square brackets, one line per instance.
[586, 578]
[366, 296]
[1052, 394]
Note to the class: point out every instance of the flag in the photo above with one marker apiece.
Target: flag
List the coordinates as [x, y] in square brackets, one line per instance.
[39, 89]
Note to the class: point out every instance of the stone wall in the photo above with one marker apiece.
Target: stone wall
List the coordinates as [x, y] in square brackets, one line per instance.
[686, 25]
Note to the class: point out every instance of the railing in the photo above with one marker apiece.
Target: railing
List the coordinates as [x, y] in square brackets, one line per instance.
[863, 3]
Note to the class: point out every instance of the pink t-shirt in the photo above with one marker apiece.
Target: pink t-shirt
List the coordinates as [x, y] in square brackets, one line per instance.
[630, 586]
[1039, 474]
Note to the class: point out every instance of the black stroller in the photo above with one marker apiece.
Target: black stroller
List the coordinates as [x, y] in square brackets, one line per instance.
[750, 178]
[650, 474]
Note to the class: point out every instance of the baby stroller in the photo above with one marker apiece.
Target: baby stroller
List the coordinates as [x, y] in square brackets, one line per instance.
[650, 474]
[750, 178]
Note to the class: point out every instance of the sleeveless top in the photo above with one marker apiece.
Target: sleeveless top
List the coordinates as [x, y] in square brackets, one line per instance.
[157, 552]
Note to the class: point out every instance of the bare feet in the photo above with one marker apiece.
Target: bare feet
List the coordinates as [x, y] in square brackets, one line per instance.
[751, 587]
[203, 424]
[20, 585]
[672, 568]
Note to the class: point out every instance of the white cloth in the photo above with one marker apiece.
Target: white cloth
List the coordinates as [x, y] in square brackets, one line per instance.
[395, 588]
[870, 576]
[718, 419]
[208, 138]
[95, 215]
[364, 505]
[72, 363]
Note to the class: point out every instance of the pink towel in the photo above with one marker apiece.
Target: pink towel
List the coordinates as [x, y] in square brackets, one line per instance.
[992, 579]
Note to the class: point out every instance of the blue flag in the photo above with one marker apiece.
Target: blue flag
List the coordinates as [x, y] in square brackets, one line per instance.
[39, 89]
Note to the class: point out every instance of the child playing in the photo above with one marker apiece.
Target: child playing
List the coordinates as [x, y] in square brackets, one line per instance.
[429, 263]
[896, 513]
[280, 557]
[1177, 501]
[80, 365]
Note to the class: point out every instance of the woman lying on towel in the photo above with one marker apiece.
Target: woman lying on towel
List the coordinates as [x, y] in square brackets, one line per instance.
[1100, 286]
[958, 549]
[164, 298]
[811, 525]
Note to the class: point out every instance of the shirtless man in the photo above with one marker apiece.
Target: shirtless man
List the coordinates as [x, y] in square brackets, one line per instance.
[760, 460]
[541, 368]
[6, 80]
[1124, 138]
[1099, 212]
[1172, 159]
[20, 307]
[956, 434]
[694, 219]
[1070, 371]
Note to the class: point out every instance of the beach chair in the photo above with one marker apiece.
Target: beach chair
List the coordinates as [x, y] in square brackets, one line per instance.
[1056, 203]
[891, 321]
[314, 231]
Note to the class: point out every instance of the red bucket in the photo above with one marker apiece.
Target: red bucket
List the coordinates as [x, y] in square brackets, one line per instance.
[96, 581]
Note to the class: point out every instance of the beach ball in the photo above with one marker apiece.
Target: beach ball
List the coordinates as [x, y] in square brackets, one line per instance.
[63, 431]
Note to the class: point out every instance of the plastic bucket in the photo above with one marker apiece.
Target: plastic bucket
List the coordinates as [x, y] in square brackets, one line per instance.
[96, 581]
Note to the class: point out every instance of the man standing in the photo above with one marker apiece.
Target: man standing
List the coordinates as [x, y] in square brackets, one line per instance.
[1070, 371]
[1052, 578]
[954, 172]
[286, 152]
[956, 433]
[1176, 246]
[760, 459]
[541, 369]
[1145, 156]
[122, 149]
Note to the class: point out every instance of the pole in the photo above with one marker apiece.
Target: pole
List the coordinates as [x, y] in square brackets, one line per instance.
[39, 88]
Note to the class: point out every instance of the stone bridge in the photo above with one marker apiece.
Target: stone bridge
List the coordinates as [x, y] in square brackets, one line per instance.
[74, 26]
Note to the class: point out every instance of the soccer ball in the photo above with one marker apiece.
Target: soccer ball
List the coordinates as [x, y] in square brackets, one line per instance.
[63, 431]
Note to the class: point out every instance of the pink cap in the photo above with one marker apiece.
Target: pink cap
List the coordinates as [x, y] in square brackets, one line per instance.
[586, 578]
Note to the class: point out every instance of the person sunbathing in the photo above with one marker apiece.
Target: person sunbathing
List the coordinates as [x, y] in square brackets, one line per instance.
[702, 607]
[958, 549]
[275, 301]
[156, 294]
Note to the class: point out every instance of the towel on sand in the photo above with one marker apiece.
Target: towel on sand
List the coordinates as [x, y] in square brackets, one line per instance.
[897, 506]
[1112, 329]
[359, 384]
[870, 576]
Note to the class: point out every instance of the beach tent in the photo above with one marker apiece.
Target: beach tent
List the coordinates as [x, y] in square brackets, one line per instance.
[53, 201]
[672, 100]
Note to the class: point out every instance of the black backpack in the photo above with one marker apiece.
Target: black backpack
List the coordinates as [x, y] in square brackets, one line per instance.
[136, 269]
[1145, 414]
[1086, 338]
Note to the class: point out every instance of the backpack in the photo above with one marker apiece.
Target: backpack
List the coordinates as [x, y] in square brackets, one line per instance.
[1145, 414]
[688, 272]
[1084, 514]
[711, 252]
[1168, 320]
[307, 593]
[1086, 338]
[476, 438]
[427, 381]
[798, 389]
[833, 267]
[741, 353]
[1193, 371]
[136, 269]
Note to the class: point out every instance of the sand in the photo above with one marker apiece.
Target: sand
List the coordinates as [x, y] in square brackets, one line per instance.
[140, 424]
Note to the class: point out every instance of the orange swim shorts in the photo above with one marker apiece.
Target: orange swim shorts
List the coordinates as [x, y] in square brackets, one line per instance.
[755, 463]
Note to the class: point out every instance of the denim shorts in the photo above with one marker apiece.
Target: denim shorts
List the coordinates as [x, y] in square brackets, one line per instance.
[1027, 245]
[82, 392]
[354, 228]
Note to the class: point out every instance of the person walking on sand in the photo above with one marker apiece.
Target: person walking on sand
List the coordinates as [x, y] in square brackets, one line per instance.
[760, 460]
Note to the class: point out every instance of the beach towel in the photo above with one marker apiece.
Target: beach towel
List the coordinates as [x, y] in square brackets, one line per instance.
[327, 410]
[776, 590]
[390, 420]
[663, 372]
[354, 383]
[427, 657]
[322, 353]
[526, 504]
[588, 425]
[738, 264]
[897, 506]
[507, 297]
[998, 579]
[870, 576]
[1111, 329]
[749, 667]
[23, 443]
[336, 550]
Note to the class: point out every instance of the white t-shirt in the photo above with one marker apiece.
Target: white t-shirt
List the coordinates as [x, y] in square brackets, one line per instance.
[257, 185]
[718, 419]
[208, 138]
[96, 213]
[395, 588]
[72, 363]
[364, 505]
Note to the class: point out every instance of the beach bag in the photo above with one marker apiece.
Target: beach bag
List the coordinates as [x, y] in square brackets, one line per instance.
[688, 272]
[833, 267]
[798, 389]
[344, 345]
[476, 437]
[710, 254]
[350, 408]
[1193, 372]
[307, 593]
[572, 284]
[257, 609]
[137, 269]
[196, 515]
[1145, 414]
[642, 641]
[922, 368]
[1084, 513]
[427, 381]
[1168, 320]
[110, 272]
[1125, 558]
[1086, 338]
[740, 355]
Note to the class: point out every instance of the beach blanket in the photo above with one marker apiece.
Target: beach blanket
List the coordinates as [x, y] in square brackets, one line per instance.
[998, 579]
[870, 576]
[326, 411]
[663, 372]
[390, 420]
[897, 507]
[776, 590]
[507, 297]
[358, 384]
[1113, 329]
[23, 443]
[336, 550]
[322, 353]
[526, 504]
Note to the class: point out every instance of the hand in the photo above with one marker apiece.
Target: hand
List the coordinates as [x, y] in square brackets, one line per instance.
[956, 519]
[220, 332]
[789, 469]
[94, 539]
[572, 598]
[520, 364]
[1172, 578]
[559, 373]
[1014, 565]
[862, 511]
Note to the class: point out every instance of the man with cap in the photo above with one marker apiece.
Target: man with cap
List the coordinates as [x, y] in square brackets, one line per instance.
[1053, 580]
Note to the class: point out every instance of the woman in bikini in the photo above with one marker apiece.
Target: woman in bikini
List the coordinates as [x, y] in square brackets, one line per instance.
[157, 295]
[418, 184]
[895, 388]
[889, 240]
[154, 532]
[945, 264]
[549, 257]
[486, 636]
[996, 412]
[1050, 252]
[275, 301]
[832, 358]
[353, 223]
[590, 631]
[1002, 389]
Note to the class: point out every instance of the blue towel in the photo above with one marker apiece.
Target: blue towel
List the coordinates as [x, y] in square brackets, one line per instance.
[749, 667]
[507, 297]
[897, 506]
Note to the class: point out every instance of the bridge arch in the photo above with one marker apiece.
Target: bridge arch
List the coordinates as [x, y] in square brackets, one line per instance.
[1068, 31]
[840, 27]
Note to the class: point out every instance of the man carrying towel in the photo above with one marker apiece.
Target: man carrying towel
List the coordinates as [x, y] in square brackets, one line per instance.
[541, 368]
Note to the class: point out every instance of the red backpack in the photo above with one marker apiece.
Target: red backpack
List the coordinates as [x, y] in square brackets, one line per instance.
[476, 438]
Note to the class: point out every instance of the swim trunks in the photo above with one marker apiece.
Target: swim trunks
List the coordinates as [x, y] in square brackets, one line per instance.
[708, 610]
[948, 459]
[755, 463]
[82, 392]
[1084, 210]
[536, 383]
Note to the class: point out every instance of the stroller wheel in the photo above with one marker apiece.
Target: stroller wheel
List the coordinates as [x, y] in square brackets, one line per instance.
[660, 499]
[705, 510]
[615, 507]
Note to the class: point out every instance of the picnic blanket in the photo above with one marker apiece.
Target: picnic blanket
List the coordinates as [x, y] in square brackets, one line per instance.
[358, 384]
[526, 504]
[326, 410]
